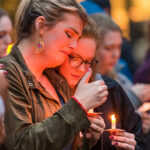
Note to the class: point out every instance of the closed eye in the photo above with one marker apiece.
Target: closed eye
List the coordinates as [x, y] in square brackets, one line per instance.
[69, 34]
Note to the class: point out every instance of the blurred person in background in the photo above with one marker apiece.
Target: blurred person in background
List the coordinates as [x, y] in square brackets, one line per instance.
[108, 55]
[142, 76]
[5, 32]
[92, 7]
[143, 73]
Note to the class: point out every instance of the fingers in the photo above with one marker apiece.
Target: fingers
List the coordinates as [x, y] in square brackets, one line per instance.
[125, 134]
[97, 123]
[101, 88]
[2, 71]
[96, 127]
[124, 146]
[86, 77]
[124, 140]
[145, 116]
[1, 66]
[93, 134]
[144, 107]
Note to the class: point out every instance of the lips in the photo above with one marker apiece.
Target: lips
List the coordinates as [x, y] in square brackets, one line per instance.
[76, 76]
[66, 51]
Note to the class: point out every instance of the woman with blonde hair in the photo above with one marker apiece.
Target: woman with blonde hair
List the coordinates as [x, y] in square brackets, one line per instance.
[47, 32]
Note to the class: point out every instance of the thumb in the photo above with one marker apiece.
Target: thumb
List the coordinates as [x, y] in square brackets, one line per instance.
[86, 77]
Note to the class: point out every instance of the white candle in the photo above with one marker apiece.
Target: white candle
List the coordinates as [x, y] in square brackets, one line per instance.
[113, 122]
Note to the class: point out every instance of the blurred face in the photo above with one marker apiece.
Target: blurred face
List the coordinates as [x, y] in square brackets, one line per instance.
[5, 31]
[86, 51]
[109, 52]
[61, 40]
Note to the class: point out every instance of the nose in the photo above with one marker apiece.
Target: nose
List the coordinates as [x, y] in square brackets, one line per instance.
[82, 68]
[73, 43]
[116, 53]
[7, 39]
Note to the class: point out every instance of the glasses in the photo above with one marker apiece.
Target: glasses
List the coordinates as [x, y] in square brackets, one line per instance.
[76, 61]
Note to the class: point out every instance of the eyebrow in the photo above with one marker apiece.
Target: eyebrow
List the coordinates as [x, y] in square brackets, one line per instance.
[78, 56]
[74, 30]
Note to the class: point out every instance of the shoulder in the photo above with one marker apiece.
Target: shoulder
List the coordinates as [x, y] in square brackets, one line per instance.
[10, 65]
[110, 82]
[10, 61]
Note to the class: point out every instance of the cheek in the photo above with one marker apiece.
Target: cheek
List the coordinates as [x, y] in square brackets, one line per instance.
[103, 56]
[1, 42]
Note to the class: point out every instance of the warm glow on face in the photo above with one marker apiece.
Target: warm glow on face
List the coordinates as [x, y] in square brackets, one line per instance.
[113, 122]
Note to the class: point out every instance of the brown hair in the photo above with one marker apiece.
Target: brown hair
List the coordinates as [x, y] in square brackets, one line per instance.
[105, 24]
[52, 10]
[91, 31]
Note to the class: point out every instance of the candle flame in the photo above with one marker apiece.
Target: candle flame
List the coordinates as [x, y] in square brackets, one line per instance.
[91, 111]
[113, 117]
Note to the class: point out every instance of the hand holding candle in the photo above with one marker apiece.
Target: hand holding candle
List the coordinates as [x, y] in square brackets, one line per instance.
[120, 138]
[113, 125]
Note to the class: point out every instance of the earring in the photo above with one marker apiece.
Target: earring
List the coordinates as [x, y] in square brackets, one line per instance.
[39, 43]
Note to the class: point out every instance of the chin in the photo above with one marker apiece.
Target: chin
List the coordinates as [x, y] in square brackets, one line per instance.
[57, 62]
[73, 85]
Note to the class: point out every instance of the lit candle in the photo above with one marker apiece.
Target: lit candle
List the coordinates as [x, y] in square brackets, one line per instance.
[91, 111]
[113, 122]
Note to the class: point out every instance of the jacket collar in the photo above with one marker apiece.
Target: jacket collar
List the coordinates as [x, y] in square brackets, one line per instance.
[32, 82]
[59, 82]
[108, 81]
[30, 78]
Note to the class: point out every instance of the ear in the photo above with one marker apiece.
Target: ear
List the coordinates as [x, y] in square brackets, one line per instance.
[40, 23]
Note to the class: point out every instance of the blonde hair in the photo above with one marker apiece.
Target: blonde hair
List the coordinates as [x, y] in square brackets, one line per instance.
[52, 10]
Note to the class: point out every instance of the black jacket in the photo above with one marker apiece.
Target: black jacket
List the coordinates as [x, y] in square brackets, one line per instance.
[127, 119]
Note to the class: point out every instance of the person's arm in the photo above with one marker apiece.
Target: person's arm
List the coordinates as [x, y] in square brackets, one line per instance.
[53, 133]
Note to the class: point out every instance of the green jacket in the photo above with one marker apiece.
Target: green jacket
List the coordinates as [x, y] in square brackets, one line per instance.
[34, 119]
